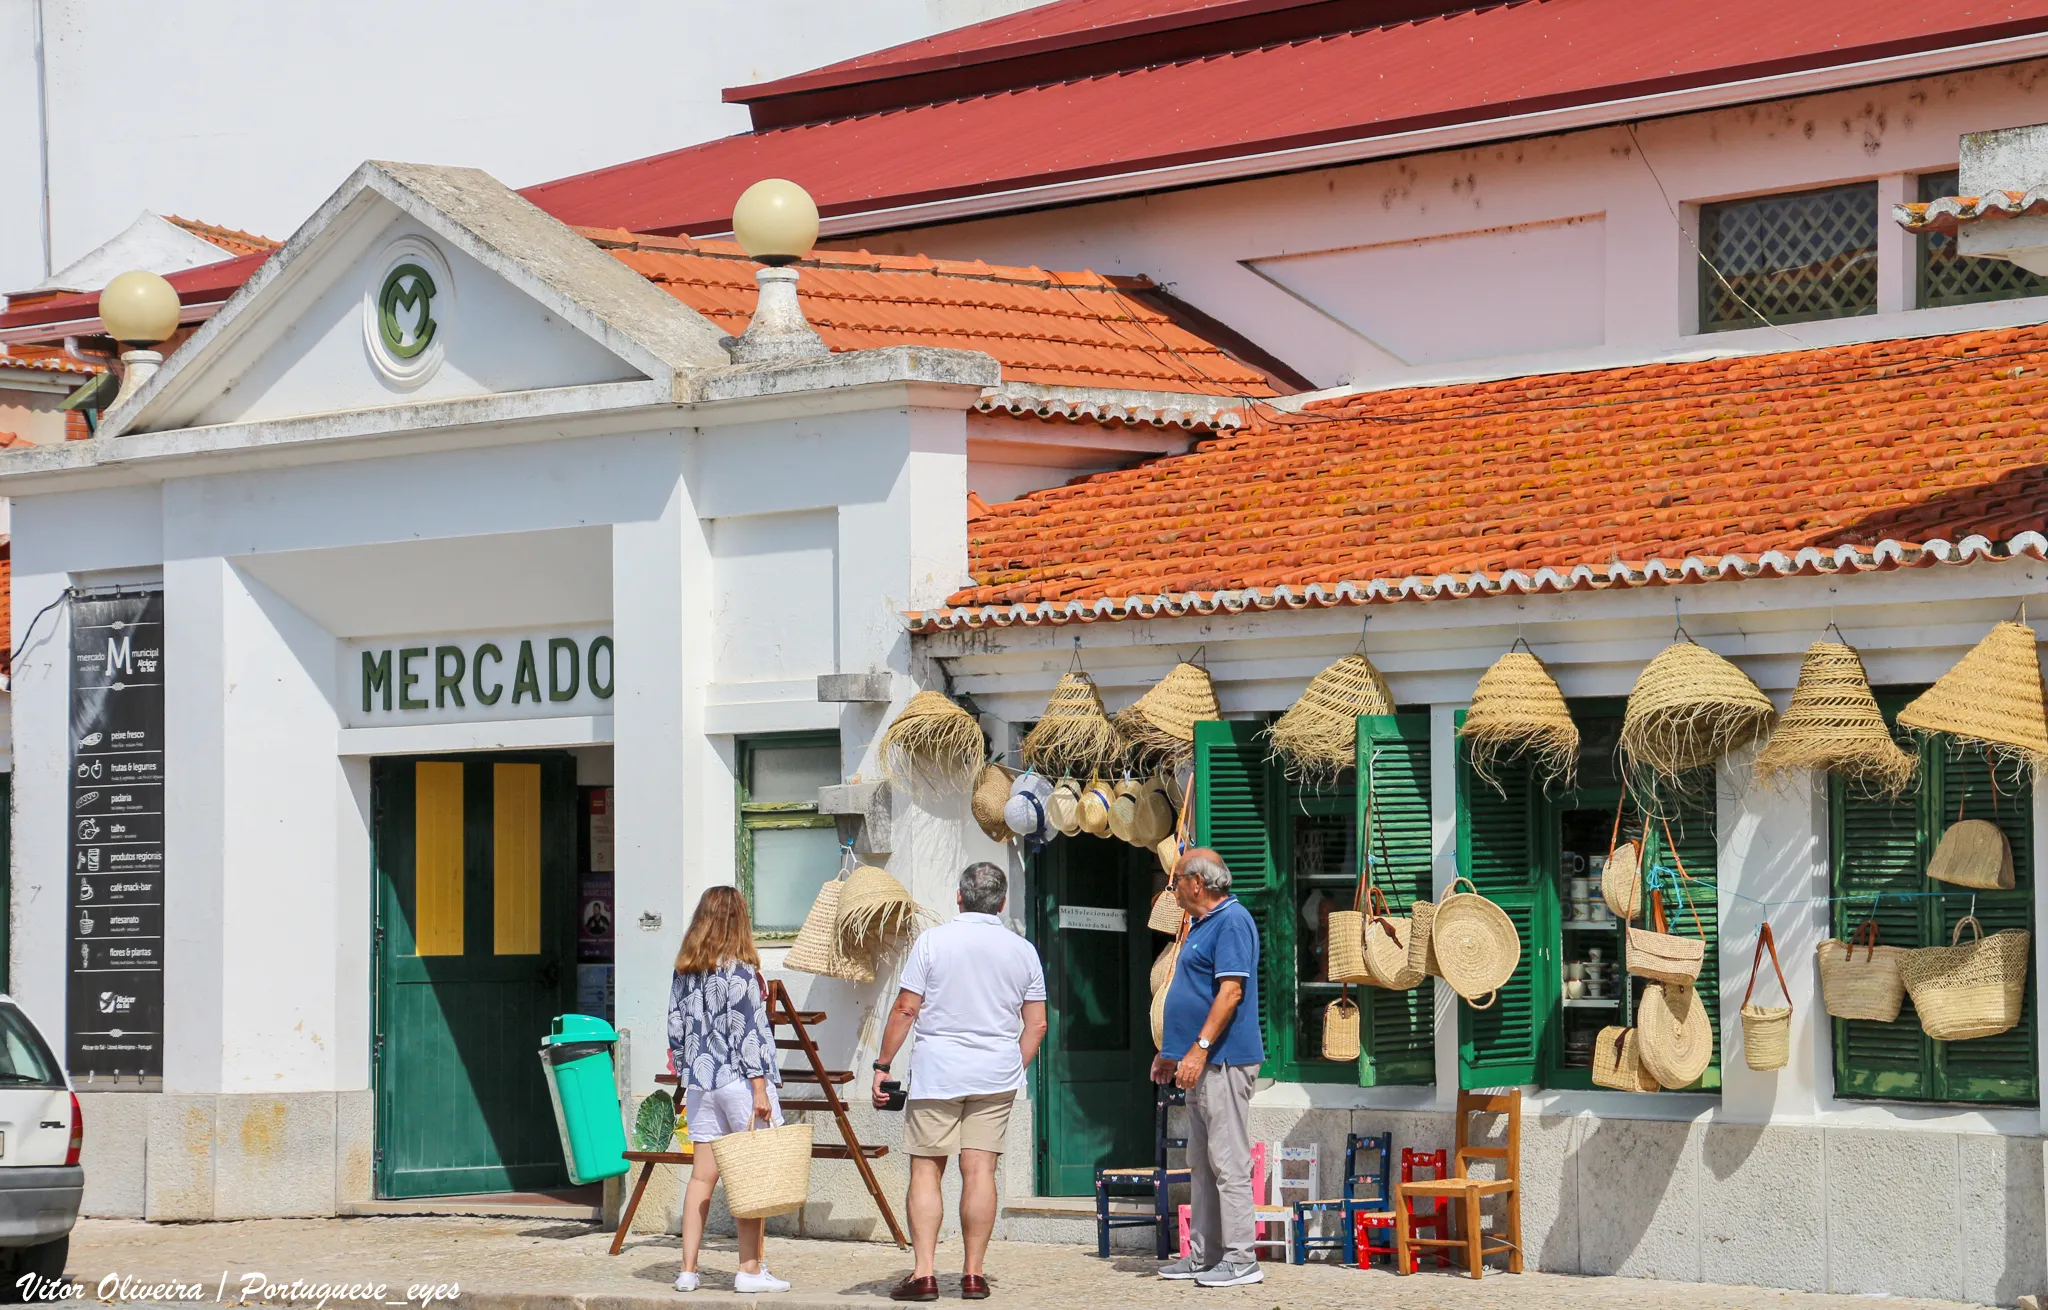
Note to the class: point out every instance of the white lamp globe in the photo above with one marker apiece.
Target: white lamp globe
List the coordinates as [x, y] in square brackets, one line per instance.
[775, 221]
[139, 308]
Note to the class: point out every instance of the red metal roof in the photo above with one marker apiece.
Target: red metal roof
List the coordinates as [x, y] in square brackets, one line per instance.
[209, 284]
[1463, 68]
[1814, 461]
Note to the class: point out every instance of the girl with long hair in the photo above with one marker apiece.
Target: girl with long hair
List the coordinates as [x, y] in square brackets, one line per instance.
[724, 1054]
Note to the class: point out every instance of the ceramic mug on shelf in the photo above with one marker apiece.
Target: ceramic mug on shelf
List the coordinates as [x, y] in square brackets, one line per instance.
[1576, 971]
[1582, 889]
[1573, 863]
[1574, 988]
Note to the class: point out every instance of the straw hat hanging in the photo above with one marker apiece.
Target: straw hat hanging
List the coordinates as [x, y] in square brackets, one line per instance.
[1095, 808]
[1159, 728]
[1992, 696]
[1518, 710]
[1689, 708]
[934, 744]
[1123, 810]
[877, 916]
[1153, 822]
[1074, 735]
[1833, 726]
[816, 949]
[1024, 813]
[1317, 738]
[991, 794]
[1063, 808]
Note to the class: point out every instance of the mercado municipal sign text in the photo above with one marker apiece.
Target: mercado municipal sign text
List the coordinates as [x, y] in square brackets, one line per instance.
[466, 677]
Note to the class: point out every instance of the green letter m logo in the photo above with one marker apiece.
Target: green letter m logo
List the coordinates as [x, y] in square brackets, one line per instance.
[406, 287]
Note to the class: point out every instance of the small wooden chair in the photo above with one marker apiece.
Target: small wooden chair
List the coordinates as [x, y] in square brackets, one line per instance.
[1462, 1193]
[1368, 1177]
[1154, 1181]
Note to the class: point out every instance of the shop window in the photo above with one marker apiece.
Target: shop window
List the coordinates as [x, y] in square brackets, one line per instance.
[1535, 852]
[1879, 852]
[787, 849]
[1948, 277]
[1788, 258]
[1293, 853]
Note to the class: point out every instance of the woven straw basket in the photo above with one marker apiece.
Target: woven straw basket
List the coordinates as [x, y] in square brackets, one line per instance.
[1318, 736]
[1166, 913]
[1159, 727]
[1992, 695]
[1621, 880]
[1518, 710]
[1688, 709]
[1340, 1029]
[1158, 1017]
[1833, 726]
[1618, 1064]
[1973, 853]
[1386, 952]
[1664, 957]
[1673, 1035]
[1422, 939]
[1063, 808]
[877, 916]
[1861, 986]
[1345, 961]
[767, 1171]
[1474, 944]
[1969, 990]
[991, 794]
[1074, 735]
[1766, 1029]
[816, 948]
[934, 744]
[1168, 850]
[1163, 966]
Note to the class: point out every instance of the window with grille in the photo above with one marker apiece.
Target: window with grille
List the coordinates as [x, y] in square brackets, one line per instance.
[1948, 277]
[1879, 852]
[787, 849]
[1789, 259]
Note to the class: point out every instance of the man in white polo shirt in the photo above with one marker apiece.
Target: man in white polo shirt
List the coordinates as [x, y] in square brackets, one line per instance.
[974, 993]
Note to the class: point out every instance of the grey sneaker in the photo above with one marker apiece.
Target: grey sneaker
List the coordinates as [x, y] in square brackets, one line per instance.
[1183, 1268]
[1228, 1274]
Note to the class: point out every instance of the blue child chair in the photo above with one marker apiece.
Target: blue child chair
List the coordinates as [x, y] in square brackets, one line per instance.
[1368, 1182]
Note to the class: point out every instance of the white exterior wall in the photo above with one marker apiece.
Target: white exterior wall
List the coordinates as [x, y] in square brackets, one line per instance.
[1556, 252]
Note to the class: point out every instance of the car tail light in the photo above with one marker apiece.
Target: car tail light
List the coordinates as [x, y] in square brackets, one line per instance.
[77, 1132]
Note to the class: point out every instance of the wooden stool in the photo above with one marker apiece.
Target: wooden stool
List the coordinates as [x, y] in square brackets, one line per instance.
[1463, 1192]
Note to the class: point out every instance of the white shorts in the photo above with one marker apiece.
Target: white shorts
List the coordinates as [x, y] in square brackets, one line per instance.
[730, 1109]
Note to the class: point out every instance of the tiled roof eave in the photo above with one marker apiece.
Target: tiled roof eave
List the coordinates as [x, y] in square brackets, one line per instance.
[1810, 561]
[1951, 212]
[1107, 405]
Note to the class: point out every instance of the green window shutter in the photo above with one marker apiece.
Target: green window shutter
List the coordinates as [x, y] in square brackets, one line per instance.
[1500, 848]
[1240, 814]
[1399, 1028]
[1999, 1069]
[1693, 831]
[1875, 847]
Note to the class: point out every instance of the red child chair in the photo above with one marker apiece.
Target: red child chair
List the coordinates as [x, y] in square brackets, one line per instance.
[1436, 1220]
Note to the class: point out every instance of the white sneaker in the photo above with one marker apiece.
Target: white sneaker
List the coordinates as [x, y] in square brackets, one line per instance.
[1227, 1274]
[761, 1282]
[687, 1281]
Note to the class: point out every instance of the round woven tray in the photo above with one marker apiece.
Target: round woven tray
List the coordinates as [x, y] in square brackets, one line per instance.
[1474, 944]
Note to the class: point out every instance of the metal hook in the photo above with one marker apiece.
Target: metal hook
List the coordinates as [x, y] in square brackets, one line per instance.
[1363, 623]
[1678, 632]
[1843, 636]
[1074, 662]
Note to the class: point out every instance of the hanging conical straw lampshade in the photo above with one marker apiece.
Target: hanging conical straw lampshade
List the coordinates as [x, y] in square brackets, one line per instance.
[1833, 726]
[1074, 735]
[1517, 710]
[1318, 736]
[1992, 695]
[1689, 708]
[934, 744]
[1159, 728]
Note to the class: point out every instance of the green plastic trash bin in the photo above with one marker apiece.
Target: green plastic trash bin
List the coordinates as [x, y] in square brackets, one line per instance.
[577, 1057]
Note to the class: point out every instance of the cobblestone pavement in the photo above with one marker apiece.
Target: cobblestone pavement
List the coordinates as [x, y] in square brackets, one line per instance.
[543, 1264]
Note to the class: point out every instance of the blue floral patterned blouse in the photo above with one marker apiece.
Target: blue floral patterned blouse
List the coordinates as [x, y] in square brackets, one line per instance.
[718, 1028]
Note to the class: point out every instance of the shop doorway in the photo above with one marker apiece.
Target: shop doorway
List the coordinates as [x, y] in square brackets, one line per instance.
[1093, 1092]
[476, 954]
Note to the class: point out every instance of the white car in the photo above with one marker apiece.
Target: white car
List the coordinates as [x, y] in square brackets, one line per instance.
[41, 1134]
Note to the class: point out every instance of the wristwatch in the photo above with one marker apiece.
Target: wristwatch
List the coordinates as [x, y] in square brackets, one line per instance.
[1204, 1043]
[880, 1067]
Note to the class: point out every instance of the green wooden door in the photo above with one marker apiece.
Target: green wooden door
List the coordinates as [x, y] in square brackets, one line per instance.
[1094, 1097]
[1507, 846]
[475, 956]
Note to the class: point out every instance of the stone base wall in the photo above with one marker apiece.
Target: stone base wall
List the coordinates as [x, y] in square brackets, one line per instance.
[176, 1157]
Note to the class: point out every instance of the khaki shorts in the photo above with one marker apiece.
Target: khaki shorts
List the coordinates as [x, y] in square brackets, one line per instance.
[972, 1123]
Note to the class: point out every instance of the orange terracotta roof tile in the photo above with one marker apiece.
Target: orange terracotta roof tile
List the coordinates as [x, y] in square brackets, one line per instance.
[231, 239]
[46, 359]
[1866, 456]
[1061, 329]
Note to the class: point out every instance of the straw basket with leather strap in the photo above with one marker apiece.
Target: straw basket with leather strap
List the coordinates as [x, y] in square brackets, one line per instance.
[1621, 878]
[1766, 1029]
[1422, 939]
[1656, 952]
[1386, 949]
[816, 948]
[1617, 1063]
[1340, 1028]
[1859, 978]
[1965, 990]
[767, 1171]
[1166, 913]
[1673, 1035]
[1345, 955]
[1974, 852]
[1475, 945]
[1162, 982]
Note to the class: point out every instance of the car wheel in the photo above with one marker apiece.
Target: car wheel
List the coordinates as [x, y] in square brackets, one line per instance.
[45, 1261]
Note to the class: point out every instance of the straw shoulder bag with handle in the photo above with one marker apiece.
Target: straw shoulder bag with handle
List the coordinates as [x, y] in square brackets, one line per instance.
[1344, 961]
[1766, 1029]
[1340, 1028]
[1859, 978]
[1475, 945]
[1163, 970]
[1618, 1064]
[1974, 989]
[816, 948]
[766, 1171]
[1657, 953]
[1973, 853]
[1386, 948]
[1621, 878]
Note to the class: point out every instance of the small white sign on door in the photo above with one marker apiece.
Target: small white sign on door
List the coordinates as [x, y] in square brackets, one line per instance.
[1091, 918]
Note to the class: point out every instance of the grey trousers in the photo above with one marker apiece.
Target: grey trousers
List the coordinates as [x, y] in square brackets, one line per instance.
[1220, 1197]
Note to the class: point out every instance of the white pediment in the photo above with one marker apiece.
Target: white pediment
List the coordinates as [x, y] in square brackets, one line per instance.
[416, 285]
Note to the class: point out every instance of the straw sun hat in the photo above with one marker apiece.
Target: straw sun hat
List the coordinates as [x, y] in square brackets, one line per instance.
[1159, 727]
[1095, 808]
[1517, 710]
[1689, 708]
[1063, 808]
[1074, 735]
[1833, 726]
[1318, 736]
[1992, 696]
[934, 744]
[991, 798]
[877, 916]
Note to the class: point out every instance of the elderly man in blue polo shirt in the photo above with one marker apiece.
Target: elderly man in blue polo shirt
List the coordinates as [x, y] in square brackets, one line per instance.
[1212, 1048]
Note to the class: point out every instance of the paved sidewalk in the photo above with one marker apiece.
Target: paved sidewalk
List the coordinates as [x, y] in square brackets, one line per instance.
[542, 1264]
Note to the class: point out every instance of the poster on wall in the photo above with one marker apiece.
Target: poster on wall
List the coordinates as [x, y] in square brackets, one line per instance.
[116, 1006]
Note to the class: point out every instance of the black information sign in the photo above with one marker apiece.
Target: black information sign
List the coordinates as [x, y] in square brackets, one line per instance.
[117, 836]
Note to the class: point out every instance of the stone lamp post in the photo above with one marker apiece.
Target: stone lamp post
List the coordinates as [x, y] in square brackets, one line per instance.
[776, 223]
[139, 310]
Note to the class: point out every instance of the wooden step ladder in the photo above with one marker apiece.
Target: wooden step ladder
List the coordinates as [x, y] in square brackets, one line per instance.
[783, 1013]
